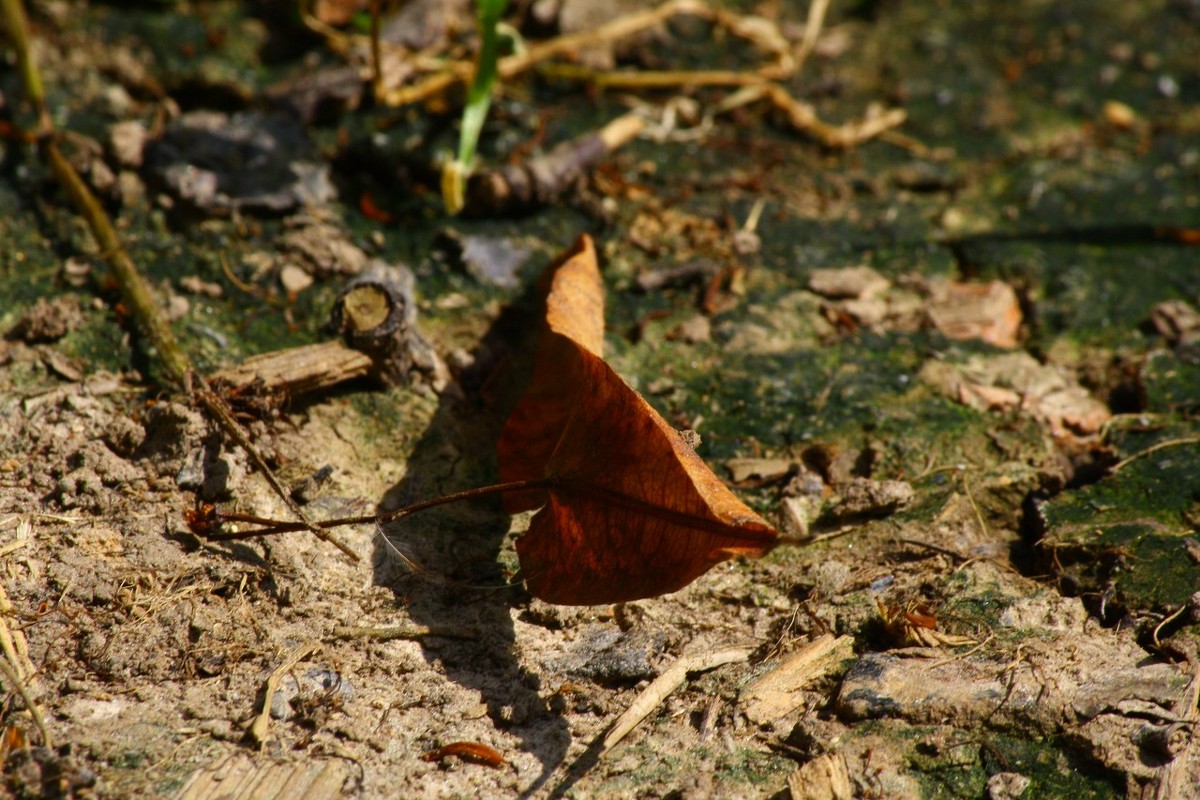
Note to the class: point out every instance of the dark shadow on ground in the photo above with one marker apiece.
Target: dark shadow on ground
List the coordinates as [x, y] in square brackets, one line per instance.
[458, 582]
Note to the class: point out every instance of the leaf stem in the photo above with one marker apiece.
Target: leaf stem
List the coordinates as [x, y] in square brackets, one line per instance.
[270, 526]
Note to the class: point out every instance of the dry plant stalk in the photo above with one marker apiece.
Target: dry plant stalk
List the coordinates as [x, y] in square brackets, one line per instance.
[408, 632]
[17, 685]
[511, 66]
[756, 85]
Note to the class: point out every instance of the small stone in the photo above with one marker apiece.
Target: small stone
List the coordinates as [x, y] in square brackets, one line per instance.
[294, 280]
[126, 141]
[194, 284]
[491, 260]
[76, 272]
[1119, 115]
[101, 176]
[797, 514]
[848, 282]
[694, 331]
[116, 101]
[1177, 321]
[1007, 786]
[178, 307]
[130, 189]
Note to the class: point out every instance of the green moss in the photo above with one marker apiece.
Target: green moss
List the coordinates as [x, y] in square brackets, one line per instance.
[962, 769]
[1129, 529]
[1171, 381]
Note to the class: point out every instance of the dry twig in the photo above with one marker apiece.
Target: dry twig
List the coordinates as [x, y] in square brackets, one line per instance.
[511, 66]
[1185, 440]
[662, 686]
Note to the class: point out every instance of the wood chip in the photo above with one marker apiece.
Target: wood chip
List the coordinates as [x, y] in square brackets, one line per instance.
[824, 778]
[768, 469]
[779, 692]
[298, 370]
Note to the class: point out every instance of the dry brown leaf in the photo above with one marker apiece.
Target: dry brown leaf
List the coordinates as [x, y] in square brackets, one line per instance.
[630, 511]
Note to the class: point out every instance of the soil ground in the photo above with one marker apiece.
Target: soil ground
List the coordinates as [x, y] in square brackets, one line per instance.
[1001, 477]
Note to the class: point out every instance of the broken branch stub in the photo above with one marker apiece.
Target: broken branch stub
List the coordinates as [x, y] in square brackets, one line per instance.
[376, 314]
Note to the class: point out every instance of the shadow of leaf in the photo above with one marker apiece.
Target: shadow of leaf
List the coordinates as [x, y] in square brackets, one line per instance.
[457, 581]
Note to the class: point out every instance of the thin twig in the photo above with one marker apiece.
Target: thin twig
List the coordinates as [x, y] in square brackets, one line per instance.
[13, 642]
[1173, 616]
[651, 79]
[1153, 449]
[376, 57]
[271, 526]
[983, 528]
[946, 551]
[812, 31]
[511, 66]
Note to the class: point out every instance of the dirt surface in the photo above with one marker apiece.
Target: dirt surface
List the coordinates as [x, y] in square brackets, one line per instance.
[962, 357]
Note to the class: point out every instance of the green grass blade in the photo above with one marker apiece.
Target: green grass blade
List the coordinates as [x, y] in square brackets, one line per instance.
[479, 98]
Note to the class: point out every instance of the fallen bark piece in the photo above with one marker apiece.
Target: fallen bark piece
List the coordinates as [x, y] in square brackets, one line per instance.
[298, 370]
[779, 692]
[767, 469]
[848, 283]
